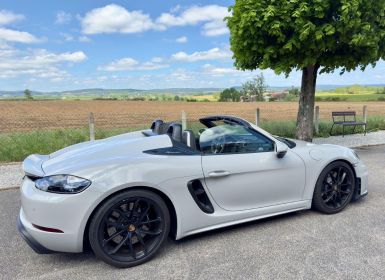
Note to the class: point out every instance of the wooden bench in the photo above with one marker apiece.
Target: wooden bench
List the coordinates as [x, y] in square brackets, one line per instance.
[346, 118]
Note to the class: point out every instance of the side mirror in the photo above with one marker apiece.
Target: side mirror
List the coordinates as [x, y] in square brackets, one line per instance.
[280, 149]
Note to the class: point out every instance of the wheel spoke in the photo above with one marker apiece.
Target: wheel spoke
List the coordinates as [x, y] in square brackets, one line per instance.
[134, 210]
[113, 251]
[329, 198]
[150, 221]
[339, 174]
[342, 179]
[345, 192]
[133, 253]
[144, 213]
[140, 239]
[122, 215]
[147, 232]
[105, 241]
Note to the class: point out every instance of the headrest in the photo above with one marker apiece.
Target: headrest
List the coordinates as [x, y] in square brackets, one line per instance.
[175, 131]
[156, 126]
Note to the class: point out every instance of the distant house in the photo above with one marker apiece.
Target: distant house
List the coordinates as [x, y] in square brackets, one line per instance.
[248, 98]
[276, 96]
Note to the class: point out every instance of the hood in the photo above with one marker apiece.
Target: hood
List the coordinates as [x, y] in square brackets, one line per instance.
[126, 146]
[322, 151]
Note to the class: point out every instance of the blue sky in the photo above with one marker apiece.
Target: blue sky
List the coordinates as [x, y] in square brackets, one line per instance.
[63, 45]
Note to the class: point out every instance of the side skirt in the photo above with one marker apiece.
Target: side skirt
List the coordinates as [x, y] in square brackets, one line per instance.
[239, 217]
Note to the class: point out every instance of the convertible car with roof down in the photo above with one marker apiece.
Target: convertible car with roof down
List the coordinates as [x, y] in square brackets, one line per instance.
[126, 194]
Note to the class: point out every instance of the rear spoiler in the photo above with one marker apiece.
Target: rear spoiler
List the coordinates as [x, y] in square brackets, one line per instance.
[32, 165]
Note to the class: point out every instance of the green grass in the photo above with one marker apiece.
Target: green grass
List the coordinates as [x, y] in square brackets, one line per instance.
[17, 146]
[287, 128]
[353, 93]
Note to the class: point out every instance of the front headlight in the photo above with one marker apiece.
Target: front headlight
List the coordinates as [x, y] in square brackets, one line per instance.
[62, 184]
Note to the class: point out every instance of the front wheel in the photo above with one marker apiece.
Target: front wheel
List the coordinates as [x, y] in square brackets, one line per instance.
[129, 228]
[334, 188]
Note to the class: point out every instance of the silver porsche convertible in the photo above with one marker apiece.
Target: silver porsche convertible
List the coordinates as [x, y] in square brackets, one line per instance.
[125, 195]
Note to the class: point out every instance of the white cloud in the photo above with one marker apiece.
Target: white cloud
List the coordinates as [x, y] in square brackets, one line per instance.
[63, 17]
[219, 70]
[212, 54]
[117, 19]
[215, 28]
[17, 36]
[10, 35]
[130, 64]
[84, 39]
[212, 15]
[157, 59]
[7, 17]
[181, 40]
[36, 63]
[114, 18]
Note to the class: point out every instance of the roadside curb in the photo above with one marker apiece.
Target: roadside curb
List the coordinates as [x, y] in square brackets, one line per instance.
[354, 140]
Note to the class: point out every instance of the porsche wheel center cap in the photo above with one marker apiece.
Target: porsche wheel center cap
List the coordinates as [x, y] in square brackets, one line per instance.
[131, 228]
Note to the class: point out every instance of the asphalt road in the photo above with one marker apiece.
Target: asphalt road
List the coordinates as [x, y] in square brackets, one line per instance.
[303, 245]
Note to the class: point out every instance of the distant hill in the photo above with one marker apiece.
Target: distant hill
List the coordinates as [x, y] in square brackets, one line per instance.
[100, 92]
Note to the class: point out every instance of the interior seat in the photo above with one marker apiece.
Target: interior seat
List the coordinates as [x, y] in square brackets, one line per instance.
[157, 126]
[175, 131]
[188, 138]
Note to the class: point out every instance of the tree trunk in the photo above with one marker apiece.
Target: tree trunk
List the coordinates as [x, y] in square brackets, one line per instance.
[306, 103]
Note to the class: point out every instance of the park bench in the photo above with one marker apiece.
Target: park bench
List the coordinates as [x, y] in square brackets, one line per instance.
[346, 118]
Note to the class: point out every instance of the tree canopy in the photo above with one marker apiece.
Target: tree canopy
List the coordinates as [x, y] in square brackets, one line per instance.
[314, 36]
[256, 87]
[291, 34]
[229, 94]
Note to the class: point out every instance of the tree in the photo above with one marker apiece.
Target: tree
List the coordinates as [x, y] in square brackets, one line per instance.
[256, 87]
[28, 94]
[314, 36]
[294, 92]
[230, 94]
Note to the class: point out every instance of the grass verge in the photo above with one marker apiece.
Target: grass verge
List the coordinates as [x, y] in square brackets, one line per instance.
[17, 146]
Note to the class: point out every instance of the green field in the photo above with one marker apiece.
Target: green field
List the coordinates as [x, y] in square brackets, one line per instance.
[353, 93]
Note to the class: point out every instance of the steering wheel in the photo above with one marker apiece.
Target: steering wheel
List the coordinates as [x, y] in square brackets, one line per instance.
[218, 144]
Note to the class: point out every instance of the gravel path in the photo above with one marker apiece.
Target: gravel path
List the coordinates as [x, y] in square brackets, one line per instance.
[11, 174]
[355, 140]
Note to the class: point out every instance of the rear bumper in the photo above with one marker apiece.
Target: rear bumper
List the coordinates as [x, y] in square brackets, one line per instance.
[36, 246]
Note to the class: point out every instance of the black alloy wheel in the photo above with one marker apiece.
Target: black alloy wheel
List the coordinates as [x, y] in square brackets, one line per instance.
[129, 228]
[334, 188]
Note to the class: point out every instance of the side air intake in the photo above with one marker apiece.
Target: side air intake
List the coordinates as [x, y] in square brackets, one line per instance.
[200, 196]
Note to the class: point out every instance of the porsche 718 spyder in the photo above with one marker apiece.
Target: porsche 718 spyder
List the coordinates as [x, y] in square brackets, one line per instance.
[126, 194]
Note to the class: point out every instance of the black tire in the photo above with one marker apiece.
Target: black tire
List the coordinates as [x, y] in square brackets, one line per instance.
[334, 190]
[129, 228]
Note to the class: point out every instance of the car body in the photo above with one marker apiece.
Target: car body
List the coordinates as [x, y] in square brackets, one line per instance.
[248, 175]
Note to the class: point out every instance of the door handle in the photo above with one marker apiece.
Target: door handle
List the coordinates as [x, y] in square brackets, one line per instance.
[219, 173]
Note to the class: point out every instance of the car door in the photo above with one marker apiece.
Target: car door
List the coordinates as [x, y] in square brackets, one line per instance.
[247, 173]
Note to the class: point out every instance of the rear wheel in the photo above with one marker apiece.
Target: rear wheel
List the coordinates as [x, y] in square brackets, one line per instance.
[334, 188]
[129, 228]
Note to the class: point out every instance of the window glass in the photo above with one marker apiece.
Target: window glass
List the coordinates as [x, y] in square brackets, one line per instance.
[233, 139]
